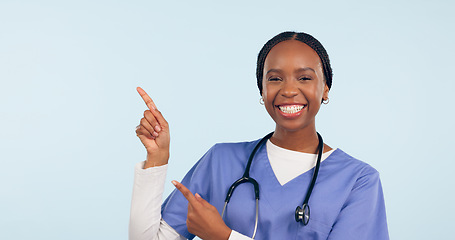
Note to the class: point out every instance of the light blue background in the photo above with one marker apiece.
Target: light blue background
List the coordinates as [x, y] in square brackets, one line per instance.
[69, 69]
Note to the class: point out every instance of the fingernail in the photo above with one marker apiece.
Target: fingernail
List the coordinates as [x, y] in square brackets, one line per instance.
[155, 134]
[174, 182]
[197, 196]
[157, 128]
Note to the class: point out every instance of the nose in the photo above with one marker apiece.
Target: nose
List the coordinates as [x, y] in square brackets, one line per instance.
[289, 89]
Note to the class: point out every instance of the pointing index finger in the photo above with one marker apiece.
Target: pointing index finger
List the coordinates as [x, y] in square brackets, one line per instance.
[148, 101]
[185, 191]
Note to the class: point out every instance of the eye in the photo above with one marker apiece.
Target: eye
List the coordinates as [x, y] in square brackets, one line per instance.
[304, 78]
[273, 79]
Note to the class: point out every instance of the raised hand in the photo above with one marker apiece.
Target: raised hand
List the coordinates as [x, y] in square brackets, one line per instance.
[203, 219]
[153, 131]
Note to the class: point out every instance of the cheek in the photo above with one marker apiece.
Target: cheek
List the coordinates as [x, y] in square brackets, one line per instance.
[268, 100]
[318, 91]
[267, 94]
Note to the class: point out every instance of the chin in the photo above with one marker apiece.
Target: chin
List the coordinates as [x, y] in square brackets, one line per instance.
[294, 125]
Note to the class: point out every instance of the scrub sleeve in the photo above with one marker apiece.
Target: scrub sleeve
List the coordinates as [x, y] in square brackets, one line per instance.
[363, 215]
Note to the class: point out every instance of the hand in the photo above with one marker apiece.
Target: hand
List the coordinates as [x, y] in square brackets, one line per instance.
[153, 131]
[203, 219]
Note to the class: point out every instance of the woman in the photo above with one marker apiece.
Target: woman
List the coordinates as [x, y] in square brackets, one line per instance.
[294, 77]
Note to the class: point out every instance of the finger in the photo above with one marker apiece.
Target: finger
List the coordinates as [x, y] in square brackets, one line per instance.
[151, 105]
[142, 132]
[148, 127]
[201, 200]
[198, 197]
[147, 99]
[159, 117]
[144, 135]
[185, 191]
[148, 115]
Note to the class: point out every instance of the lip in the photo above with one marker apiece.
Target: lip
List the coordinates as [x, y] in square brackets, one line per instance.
[293, 114]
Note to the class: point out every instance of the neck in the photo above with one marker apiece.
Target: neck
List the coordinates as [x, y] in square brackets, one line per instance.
[302, 140]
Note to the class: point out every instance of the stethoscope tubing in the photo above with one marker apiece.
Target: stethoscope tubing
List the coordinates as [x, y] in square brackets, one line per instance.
[316, 170]
[301, 214]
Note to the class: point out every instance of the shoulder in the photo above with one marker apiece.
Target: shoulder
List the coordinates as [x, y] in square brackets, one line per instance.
[234, 146]
[232, 150]
[344, 160]
[352, 178]
[343, 165]
[228, 153]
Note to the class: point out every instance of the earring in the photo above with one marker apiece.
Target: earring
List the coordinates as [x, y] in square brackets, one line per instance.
[261, 101]
[326, 101]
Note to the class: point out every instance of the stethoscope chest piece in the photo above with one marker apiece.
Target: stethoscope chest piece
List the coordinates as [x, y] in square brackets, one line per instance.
[302, 214]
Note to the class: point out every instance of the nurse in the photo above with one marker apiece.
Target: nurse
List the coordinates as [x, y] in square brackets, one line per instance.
[294, 77]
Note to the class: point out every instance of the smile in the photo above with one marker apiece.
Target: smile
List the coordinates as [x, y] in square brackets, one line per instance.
[291, 109]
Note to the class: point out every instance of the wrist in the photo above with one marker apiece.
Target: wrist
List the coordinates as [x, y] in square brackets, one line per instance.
[155, 161]
[225, 233]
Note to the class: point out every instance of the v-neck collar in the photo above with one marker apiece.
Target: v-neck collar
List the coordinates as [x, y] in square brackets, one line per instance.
[269, 185]
[287, 164]
[264, 161]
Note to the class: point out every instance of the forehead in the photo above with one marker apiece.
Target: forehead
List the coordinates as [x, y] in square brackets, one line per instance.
[292, 54]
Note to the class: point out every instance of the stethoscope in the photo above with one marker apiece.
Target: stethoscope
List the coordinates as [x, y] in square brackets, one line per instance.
[301, 213]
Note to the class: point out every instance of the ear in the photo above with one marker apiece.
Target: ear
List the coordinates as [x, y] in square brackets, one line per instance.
[325, 95]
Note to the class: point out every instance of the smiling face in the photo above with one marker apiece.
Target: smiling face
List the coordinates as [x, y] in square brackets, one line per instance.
[293, 86]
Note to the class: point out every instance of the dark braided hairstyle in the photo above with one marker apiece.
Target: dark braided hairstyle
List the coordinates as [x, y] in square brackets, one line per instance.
[302, 37]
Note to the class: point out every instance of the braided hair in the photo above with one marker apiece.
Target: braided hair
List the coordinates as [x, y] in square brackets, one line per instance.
[299, 36]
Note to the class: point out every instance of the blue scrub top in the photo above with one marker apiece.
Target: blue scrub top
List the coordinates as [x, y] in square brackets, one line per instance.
[347, 200]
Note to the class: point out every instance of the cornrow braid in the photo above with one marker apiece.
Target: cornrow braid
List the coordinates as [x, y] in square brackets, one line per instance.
[302, 37]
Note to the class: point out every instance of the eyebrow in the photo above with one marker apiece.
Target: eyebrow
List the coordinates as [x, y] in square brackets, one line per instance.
[306, 69]
[273, 70]
[298, 70]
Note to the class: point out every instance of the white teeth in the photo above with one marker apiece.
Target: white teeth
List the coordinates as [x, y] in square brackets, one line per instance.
[291, 108]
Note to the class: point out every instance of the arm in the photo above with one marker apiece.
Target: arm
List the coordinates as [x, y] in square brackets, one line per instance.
[363, 215]
[145, 216]
[149, 178]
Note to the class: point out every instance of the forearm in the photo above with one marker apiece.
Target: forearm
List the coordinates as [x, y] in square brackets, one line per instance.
[146, 201]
